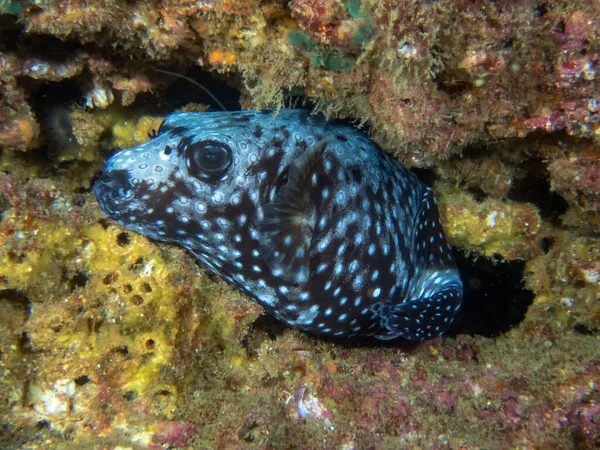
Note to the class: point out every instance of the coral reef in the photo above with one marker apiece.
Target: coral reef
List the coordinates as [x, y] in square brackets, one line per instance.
[108, 340]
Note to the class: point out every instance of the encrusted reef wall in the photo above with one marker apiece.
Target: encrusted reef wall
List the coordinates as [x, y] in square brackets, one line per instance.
[108, 340]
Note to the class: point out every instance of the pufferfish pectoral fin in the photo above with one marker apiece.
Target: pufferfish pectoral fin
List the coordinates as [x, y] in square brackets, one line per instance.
[425, 317]
[286, 231]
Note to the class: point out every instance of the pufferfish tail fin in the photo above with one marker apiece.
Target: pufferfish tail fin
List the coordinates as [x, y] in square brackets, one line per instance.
[288, 224]
[430, 313]
[437, 293]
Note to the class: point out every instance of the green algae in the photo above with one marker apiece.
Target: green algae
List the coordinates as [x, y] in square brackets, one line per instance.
[355, 9]
[330, 60]
[11, 7]
[364, 31]
[299, 39]
[334, 62]
[319, 56]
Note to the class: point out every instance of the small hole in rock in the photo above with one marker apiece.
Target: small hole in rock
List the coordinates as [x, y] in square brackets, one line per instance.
[130, 396]
[454, 81]
[94, 325]
[137, 264]
[18, 300]
[581, 328]
[540, 10]
[265, 326]
[25, 343]
[123, 239]
[161, 399]
[122, 350]
[150, 344]
[79, 280]
[146, 288]
[42, 424]
[79, 200]
[270, 325]
[105, 223]
[82, 380]
[110, 278]
[546, 244]
[246, 432]
[127, 288]
[137, 300]
[477, 193]
[15, 258]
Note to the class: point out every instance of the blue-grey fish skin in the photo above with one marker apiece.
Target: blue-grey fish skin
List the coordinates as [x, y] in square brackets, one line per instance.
[311, 219]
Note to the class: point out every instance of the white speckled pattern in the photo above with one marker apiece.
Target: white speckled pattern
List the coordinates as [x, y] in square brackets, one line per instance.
[326, 231]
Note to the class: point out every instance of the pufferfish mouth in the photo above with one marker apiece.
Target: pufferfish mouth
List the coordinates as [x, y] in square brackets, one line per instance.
[112, 189]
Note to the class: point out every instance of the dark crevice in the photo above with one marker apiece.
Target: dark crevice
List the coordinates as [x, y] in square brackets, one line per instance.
[585, 329]
[42, 46]
[477, 193]
[82, 380]
[535, 188]
[43, 424]
[52, 104]
[181, 92]
[123, 239]
[546, 244]
[17, 299]
[105, 223]
[25, 343]
[77, 281]
[122, 350]
[52, 97]
[454, 81]
[541, 9]
[427, 176]
[265, 327]
[130, 396]
[79, 200]
[495, 298]
[269, 325]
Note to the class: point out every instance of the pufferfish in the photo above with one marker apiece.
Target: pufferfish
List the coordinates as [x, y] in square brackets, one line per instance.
[309, 218]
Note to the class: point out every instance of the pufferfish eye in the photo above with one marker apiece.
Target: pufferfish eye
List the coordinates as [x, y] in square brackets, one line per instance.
[208, 158]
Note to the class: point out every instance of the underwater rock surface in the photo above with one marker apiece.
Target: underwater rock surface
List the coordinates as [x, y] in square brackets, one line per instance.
[110, 340]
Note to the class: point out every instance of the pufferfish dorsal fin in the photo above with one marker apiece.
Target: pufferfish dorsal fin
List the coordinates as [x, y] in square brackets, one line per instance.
[286, 231]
